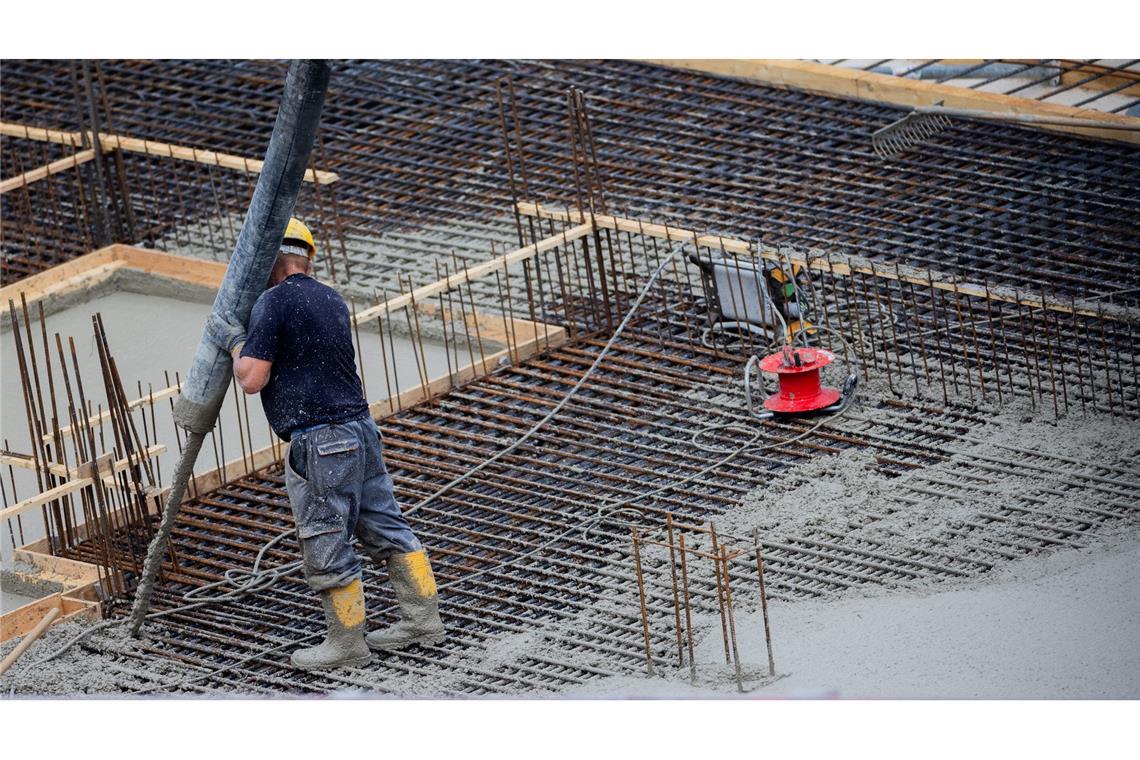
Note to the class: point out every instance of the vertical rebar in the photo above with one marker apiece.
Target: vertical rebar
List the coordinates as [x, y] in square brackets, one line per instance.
[676, 599]
[764, 602]
[641, 597]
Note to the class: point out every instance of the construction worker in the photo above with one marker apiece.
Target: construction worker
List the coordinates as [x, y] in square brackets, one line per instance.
[298, 354]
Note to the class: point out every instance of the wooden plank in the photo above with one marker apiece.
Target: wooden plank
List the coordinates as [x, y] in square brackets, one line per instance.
[23, 619]
[884, 88]
[8, 129]
[147, 400]
[153, 148]
[11, 458]
[473, 273]
[50, 281]
[104, 464]
[208, 274]
[207, 157]
[55, 167]
[838, 264]
[67, 572]
[76, 483]
[45, 497]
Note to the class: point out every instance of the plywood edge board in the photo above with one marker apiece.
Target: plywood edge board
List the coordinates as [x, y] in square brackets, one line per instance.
[38, 285]
[23, 619]
[92, 268]
[823, 79]
[69, 573]
[840, 264]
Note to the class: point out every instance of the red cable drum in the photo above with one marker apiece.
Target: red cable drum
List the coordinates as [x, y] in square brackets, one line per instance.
[798, 370]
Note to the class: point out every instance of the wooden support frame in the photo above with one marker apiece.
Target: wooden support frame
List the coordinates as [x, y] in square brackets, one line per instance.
[77, 479]
[110, 142]
[836, 81]
[92, 268]
[23, 619]
[421, 294]
[55, 167]
[837, 264]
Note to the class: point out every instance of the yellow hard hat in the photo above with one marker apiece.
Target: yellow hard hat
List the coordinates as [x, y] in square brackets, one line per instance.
[296, 233]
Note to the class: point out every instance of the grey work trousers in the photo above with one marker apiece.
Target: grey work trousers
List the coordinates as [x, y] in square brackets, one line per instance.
[339, 487]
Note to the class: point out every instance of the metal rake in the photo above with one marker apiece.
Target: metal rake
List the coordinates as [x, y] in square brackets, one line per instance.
[925, 122]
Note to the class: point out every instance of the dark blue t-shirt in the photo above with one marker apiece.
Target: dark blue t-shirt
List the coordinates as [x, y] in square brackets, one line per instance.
[303, 327]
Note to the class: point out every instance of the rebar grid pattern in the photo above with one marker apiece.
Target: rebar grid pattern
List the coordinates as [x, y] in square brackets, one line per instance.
[521, 549]
[626, 435]
[420, 142]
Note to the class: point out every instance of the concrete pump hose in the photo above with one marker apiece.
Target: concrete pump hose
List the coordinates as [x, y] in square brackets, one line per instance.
[202, 393]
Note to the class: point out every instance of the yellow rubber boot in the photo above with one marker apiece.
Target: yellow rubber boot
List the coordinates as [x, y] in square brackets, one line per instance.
[344, 645]
[419, 623]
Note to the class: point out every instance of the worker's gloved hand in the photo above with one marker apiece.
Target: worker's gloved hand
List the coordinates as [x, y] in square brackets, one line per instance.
[225, 331]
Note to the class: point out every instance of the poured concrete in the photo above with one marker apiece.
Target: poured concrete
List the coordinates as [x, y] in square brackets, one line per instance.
[1058, 626]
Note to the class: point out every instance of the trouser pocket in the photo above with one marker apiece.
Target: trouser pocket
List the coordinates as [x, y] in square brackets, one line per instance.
[314, 512]
[321, 527]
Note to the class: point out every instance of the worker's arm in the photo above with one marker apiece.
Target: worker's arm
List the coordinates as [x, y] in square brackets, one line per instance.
[252, 372]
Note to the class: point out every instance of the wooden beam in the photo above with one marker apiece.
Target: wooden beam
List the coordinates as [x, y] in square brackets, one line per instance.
[194, 271]
[152, 148]
[55, 167]
[82, 271]
[89, 269]
[14, 459]
[45, 497]
[66, 572]
[421, 294]
[1107, 79]
[151, 398]
[207, 157]
[883, 88]
[838, 264]
[8, 129]
[75, 484]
